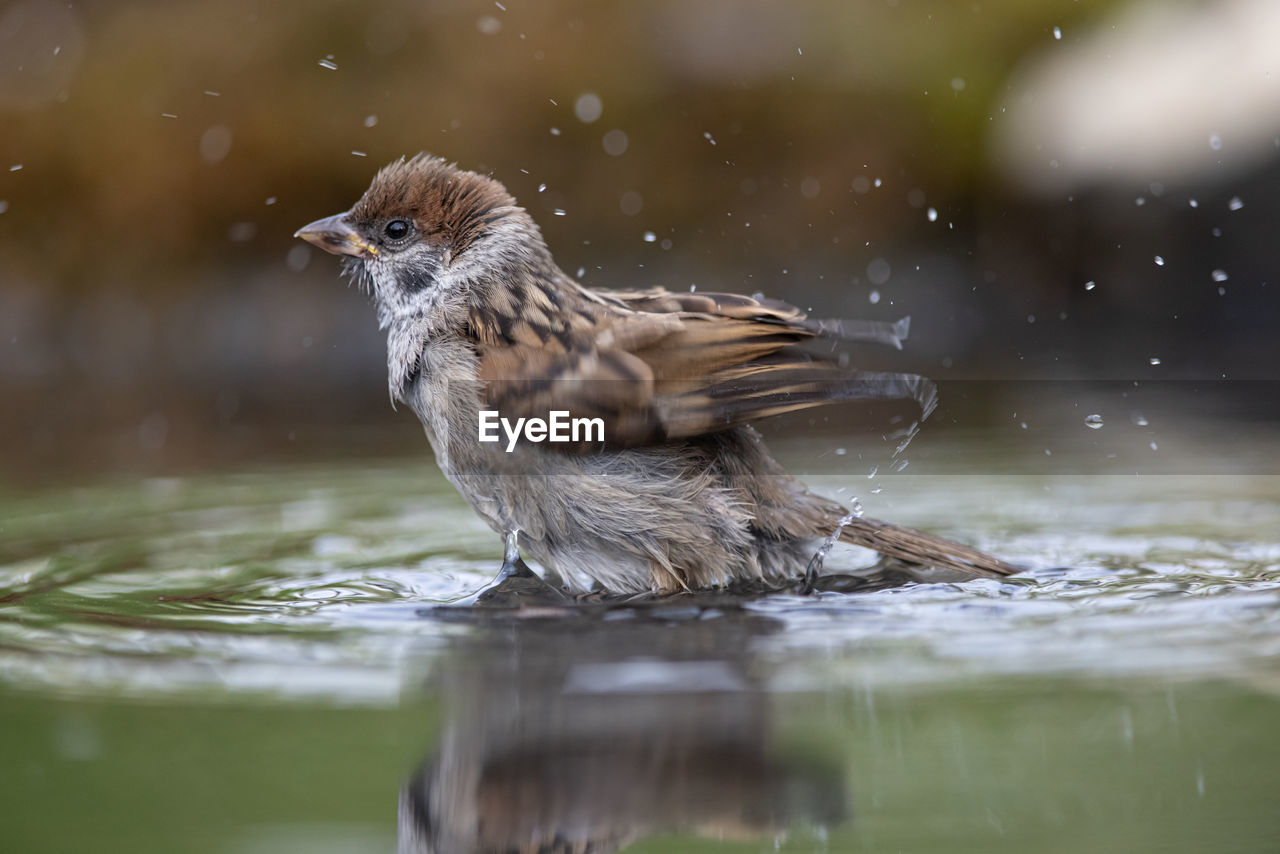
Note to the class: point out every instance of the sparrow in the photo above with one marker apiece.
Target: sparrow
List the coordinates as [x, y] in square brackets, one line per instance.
[671, 489]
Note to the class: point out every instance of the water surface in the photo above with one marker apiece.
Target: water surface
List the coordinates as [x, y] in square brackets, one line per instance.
[260, 661]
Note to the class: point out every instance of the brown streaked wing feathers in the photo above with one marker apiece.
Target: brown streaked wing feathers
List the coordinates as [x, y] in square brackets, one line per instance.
[658, 366]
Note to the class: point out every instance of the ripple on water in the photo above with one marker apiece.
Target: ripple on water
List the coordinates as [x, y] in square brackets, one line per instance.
[312, 582]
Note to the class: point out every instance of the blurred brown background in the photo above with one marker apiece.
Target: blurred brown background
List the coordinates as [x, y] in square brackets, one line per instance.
[1053, 190]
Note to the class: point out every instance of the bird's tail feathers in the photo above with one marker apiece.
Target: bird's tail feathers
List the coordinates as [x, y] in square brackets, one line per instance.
[891, 334]
[921, 549]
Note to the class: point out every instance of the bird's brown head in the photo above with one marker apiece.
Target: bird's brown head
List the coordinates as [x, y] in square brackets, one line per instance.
[425, 231]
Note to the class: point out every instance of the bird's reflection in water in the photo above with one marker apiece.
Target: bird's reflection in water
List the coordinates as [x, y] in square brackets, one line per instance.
[587, 733]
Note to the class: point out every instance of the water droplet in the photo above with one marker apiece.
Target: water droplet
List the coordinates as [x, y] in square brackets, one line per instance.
[298, 257]
[555, 131]
[588, 107]
[4, 205]
[957, 83]
[615, 142]
[1154, 360]
[1154, 446]
[1159, 260]
[1140, 201]
[370, 121]
[558, 211]
[17, 167]
[328, 63]
[1094, 422]
[666, 243]
[1235, 204]
[1138, 419]
[650, 237]
[1193, 203]
[1219, 275]
[631, 203]
[840, 452]
[1215, 142]
[215, 144]
[1057, 33]
[874, 297]
[706, 134]
[489, 25]
[360, 153]
[810, 187]
[271, 200]
[932, 214]
[542, 188]
[1090, 285]
[878, 271]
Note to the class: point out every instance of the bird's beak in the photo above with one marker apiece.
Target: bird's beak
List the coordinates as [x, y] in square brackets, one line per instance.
[336, 234]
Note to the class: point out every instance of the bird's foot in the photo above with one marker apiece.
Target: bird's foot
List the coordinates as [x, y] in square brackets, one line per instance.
[512, 565]
[811, 573]
[516, 584]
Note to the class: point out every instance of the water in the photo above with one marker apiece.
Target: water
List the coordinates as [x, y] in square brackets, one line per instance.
[268, 661]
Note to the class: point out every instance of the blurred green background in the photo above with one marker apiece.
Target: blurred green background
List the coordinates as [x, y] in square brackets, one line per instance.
[1057, 189]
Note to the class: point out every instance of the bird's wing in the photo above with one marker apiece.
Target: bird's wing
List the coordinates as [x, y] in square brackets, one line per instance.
[657, 366]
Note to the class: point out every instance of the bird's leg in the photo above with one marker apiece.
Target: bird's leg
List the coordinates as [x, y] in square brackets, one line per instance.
[516, 584]
[512, 565]
[811, 571]
[815, 563]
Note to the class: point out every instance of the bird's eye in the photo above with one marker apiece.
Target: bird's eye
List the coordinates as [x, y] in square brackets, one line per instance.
[397, 229]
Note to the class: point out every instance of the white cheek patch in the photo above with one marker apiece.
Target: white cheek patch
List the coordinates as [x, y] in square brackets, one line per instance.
[415, 281]
[408, 282]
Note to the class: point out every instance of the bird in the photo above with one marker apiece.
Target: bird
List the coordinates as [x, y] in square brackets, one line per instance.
[668, 488]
